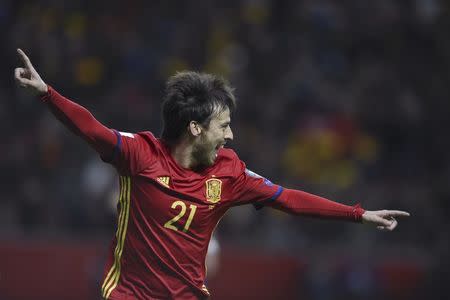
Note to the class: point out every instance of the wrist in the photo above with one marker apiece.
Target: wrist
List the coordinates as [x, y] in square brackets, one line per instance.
[358, 213]
[43, 90]
[44, 93]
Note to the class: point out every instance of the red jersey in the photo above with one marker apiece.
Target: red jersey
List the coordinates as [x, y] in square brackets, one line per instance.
[167, 215]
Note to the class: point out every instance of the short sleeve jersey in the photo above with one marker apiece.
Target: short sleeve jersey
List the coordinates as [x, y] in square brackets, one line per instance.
[166, 216]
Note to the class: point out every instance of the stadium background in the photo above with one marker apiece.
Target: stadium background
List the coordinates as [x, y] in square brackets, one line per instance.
[345, 99]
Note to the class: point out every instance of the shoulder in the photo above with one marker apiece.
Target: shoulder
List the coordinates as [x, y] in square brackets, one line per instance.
[227, 154]
[155, 143]
[229, 163]
[142, 141]
[146, 136]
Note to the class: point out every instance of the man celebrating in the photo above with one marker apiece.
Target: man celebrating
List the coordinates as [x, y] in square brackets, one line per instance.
[175, 189]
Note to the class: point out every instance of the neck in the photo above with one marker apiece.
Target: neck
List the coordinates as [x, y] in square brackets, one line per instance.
[182, 153]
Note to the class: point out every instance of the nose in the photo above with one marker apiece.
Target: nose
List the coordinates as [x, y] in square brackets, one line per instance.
[229, 134]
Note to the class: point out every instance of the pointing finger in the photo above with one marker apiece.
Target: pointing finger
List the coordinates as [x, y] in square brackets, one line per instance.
[398, 213]
[25, 59]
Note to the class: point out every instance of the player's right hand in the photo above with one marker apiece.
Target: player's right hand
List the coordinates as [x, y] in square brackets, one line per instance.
[383, 219]
[28, 78]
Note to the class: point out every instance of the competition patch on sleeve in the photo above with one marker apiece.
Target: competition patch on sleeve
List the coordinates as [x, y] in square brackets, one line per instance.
[253, 174]
[127, 134]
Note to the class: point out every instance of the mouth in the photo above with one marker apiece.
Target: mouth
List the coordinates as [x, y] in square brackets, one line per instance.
[218, 147]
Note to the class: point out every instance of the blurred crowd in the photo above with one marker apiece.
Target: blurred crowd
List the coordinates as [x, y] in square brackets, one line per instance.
[345, 99]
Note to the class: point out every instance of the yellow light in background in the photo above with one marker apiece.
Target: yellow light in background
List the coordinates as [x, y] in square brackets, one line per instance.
[366, 148]
[48, 20]
[324, 158]
[75, 26]
[89, 71]
[256, 12]
[173, 65]
[219, 39]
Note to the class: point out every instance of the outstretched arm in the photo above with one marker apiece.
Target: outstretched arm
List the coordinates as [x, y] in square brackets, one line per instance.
[75, 117]
[302, 203]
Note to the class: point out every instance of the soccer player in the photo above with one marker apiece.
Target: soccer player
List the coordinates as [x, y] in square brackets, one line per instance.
[175, 189]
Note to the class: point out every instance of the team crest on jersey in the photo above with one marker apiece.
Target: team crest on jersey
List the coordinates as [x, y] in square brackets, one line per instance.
[213, 190]
[164, 180]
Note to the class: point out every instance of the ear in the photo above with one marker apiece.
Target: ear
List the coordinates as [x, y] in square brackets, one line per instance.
[194, 128]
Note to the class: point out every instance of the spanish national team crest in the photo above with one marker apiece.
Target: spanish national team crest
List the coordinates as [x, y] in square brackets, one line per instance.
[213, 190]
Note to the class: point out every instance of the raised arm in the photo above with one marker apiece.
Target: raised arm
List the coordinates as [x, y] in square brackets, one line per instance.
[75, 117]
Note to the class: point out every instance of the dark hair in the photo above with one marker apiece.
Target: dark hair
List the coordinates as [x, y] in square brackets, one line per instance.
[193, 96]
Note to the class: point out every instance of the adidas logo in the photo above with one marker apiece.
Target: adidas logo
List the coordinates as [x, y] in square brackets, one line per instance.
[164, 180]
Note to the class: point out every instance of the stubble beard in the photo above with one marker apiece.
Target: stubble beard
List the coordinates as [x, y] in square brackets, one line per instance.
[205, 155]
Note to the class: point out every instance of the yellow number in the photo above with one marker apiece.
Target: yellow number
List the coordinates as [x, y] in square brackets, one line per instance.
[193, 208]
[191, 216]
[177, 217]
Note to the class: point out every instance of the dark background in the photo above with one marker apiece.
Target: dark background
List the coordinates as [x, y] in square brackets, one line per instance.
[345, 99]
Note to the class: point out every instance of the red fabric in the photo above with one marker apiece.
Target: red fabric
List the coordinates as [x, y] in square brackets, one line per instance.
[167, 213]
[302, 203]
[81, 122]
[159, 262]
[150, 260]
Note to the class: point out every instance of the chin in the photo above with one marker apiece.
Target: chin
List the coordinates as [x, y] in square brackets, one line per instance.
[211, 162]
[207, 161]
[212, 159]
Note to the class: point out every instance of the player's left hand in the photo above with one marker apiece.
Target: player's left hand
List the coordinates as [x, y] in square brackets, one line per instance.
[383, 219]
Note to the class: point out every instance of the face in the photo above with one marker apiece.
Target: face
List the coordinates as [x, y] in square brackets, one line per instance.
[213, 138]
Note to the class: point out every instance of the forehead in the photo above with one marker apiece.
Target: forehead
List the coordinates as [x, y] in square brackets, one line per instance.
[222, 117]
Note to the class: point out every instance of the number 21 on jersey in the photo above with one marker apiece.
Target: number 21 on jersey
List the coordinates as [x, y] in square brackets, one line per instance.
[170, 224]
